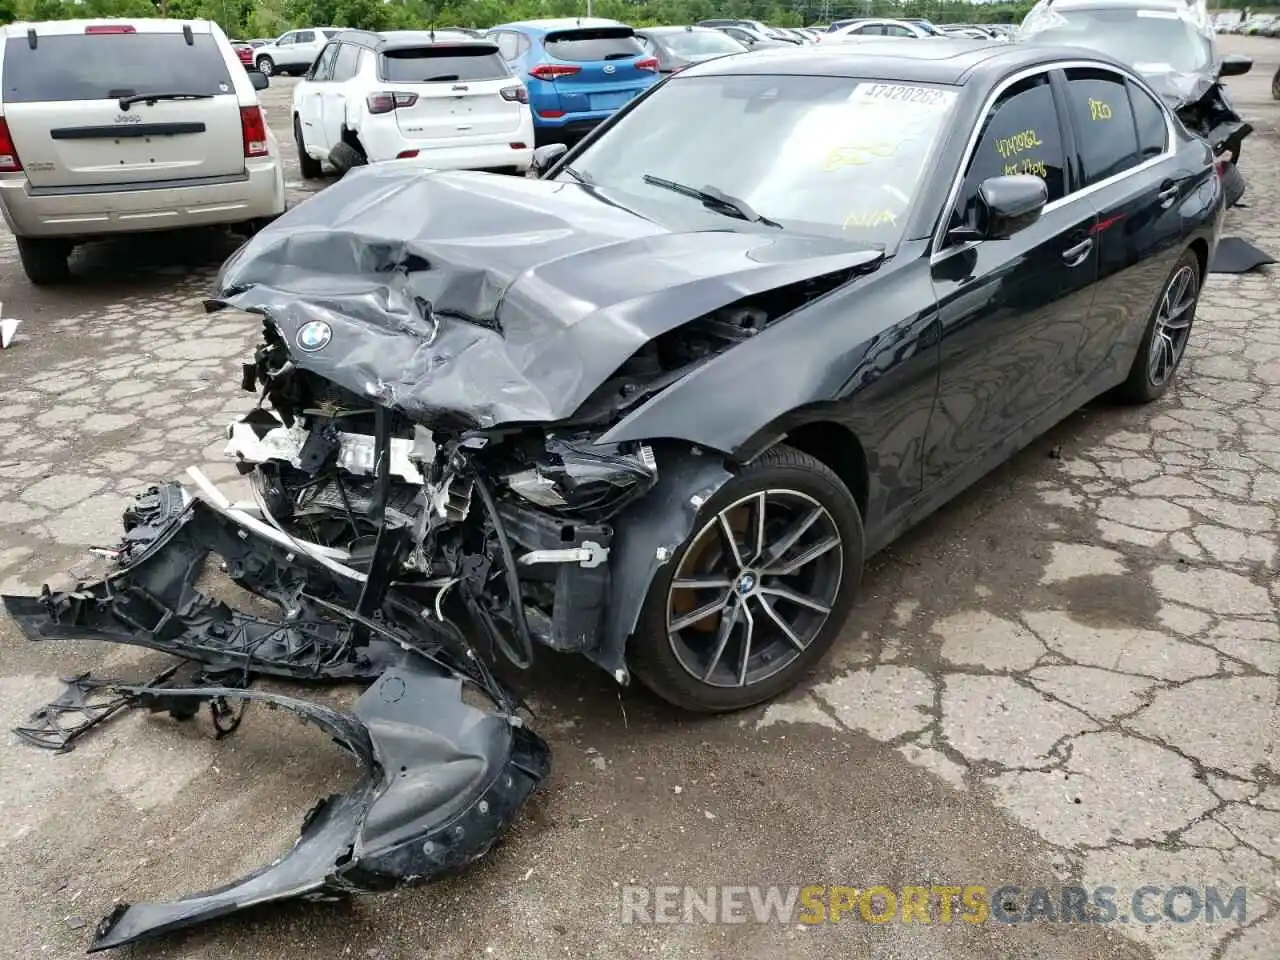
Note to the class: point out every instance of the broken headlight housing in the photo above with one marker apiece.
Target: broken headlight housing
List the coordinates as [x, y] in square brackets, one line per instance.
[585, 480]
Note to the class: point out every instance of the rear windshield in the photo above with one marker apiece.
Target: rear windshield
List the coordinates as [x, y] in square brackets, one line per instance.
[106, 66]
[697, 43]
[443, 64]
[599, 43]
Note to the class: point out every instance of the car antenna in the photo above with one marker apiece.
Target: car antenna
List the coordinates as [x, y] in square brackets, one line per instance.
[431, 31]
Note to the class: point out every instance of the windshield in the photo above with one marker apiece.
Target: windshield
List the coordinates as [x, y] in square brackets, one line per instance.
[699, 43]
[1151, 41]
[827, 156]
[111, 65]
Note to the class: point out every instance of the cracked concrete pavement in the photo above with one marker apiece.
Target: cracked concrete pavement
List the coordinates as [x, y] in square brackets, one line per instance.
[1068, 676]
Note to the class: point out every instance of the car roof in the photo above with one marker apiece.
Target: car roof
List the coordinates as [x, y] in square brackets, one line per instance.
[1174, 5]
[670, 29]
[558, 23]
[53, 28]
[946, 60]
[410, 39]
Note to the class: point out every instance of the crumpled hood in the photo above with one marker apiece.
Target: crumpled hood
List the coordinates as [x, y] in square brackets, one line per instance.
[1177, 88]
[493, 298]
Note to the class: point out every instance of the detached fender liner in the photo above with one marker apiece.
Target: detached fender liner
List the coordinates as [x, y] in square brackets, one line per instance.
[442, 779]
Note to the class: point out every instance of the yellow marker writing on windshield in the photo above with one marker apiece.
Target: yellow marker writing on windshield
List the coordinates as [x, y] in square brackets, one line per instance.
[869, 219]
[1099, 109]
[856, 155]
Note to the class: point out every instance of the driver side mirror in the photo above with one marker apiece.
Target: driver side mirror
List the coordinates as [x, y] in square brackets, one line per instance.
[259, 79]
[1005, 205]
[545, 157]
[1235, 65]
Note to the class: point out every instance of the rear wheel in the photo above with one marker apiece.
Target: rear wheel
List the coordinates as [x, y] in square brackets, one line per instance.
[266, 66]
[1168, 333]
[1233, 184]
[757, 596]
[44, 260]
[309, 165]
[344, 156]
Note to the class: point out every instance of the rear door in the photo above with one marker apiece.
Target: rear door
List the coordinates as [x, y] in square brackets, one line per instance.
[304, 49]
[606, 76]
[334, 94]
[311, 102]
[67, 104]
[459, 90]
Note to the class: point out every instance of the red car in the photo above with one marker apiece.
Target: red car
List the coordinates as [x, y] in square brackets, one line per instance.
[245, 52]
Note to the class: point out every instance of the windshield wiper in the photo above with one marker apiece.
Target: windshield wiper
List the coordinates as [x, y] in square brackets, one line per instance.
[126, 102]
[714, 198]
[578, 175]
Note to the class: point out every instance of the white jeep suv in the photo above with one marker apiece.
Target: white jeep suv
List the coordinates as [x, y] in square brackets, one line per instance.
[292, 52]
[116, 127]
[446, 98]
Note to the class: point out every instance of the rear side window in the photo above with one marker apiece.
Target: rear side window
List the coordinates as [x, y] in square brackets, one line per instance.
[1103, 119]
[443, 64]
[108, 65]
[344, 68]
[1148, 117]
[600, 43]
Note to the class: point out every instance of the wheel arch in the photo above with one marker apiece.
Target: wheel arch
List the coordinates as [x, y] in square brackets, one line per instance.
[1200, 247]
[819, 433]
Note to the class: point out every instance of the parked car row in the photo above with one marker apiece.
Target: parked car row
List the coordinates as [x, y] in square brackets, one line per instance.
[1256, 25]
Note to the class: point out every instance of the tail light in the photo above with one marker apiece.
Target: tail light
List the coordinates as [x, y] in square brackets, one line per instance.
[9, 162]
[110, 28]
[648, 63]
[386, 102]
[253, 129]
[549, 71]
[406, 154]
[515, 94]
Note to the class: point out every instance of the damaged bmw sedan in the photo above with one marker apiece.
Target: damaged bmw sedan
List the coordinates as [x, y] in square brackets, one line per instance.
[655, 407]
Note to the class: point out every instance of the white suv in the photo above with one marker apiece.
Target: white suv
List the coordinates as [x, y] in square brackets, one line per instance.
[114, 126]
[293, 52]
[447, 99]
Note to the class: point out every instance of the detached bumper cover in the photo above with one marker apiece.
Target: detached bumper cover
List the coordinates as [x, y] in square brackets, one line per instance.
[442, 779]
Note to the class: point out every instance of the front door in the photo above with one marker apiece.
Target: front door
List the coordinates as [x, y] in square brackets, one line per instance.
[1013, 313]
[311, 109]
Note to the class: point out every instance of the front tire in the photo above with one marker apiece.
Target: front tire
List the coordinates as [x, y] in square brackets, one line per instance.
[1168, 332]
[1233, 184]
[44, 261]
[308, 165]
[758, 594]
[266, 66]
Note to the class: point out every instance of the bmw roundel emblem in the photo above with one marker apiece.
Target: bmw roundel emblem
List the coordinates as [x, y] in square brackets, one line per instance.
[609, 68]
[313, 335]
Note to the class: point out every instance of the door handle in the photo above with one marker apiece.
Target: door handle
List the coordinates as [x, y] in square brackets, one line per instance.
[1167, 195]
[1074, 256]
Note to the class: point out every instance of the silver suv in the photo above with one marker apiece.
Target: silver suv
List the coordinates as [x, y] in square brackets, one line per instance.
[114, 127]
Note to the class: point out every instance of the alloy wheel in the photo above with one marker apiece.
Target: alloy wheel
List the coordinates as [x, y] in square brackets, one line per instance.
[265, 66]
[1172, 326]
[754, 588]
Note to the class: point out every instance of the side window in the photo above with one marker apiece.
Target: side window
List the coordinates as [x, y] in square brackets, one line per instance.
[344, 68]
[284, 41]
[897, 30]
[647, 44]
[1104, 125]
[522, 44]
[304, 36]
[1019, 135]
[871, 29]
[1148, 117]
[322, 69]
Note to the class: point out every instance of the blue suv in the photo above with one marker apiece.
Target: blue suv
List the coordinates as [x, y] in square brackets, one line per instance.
[578, 70]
